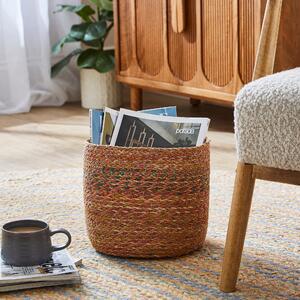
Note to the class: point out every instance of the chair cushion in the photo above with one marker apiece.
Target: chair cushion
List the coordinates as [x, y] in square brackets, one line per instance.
[267, 121]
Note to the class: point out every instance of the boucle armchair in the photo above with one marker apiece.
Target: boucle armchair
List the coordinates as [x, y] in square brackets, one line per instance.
[267, 129]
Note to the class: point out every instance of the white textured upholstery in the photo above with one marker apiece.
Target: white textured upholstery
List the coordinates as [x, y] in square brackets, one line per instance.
[267, 121]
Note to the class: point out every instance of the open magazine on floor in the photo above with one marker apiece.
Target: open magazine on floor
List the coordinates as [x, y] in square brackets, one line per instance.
[59, 270]
[139, 129]
[110, 118]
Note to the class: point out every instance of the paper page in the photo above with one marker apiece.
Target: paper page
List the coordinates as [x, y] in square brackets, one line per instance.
[61, 263]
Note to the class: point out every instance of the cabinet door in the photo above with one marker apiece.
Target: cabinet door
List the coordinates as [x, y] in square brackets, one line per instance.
[212, 57]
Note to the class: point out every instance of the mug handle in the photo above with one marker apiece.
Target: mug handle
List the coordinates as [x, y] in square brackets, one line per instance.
[67, 233]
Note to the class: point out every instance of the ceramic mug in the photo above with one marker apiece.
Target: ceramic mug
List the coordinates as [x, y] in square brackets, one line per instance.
[28, 242]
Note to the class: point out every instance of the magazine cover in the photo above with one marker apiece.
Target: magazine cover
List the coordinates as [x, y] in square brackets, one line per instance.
[109, 122]
[96, 119]
[136, 129]
[111, 115]
[37, 284]
[61, 263]
[162, 111]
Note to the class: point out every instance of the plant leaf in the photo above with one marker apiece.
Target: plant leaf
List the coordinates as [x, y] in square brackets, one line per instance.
[78, 31]
[93, 44]
[105, 62]
[97, 3]
[56, 48]
[87, 58]
[95, 31]
[84, 11]
[107, 15]
[101, 61]
[106, 4]
[56, 68]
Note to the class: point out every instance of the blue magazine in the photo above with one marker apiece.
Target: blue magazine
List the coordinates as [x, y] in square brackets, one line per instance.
[162, 111]
[96, 120]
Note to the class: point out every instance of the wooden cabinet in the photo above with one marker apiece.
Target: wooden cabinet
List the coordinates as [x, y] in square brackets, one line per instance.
[212, 54]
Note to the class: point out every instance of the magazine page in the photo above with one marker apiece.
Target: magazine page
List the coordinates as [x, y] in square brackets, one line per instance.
[111, 115]
[96, 119]
[162, 111]
[61, 263]
[91, 127]
[38, 284]
[109, 122]
[136, 129]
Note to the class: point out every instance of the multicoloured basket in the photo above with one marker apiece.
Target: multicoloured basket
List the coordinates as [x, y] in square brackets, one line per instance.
[146, 202]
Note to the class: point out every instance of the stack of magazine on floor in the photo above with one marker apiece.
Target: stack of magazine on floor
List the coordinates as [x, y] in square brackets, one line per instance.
[158, 127]
[60, 270]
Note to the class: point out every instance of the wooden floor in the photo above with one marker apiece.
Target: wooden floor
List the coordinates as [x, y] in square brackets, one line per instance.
[50, 137]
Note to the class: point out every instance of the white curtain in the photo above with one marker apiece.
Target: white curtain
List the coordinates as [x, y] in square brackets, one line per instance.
[28, 28]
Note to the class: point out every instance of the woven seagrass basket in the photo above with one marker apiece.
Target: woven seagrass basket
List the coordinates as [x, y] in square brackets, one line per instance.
[146, 202]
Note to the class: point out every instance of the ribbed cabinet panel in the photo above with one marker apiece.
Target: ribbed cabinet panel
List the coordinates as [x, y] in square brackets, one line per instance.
[217, 40]
[247, 41]
[182, 47]
[125, 34]
[149, 35]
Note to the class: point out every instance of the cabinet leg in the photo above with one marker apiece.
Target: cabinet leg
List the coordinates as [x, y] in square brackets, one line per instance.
[238, 220]
[136, 98]
[195, 102]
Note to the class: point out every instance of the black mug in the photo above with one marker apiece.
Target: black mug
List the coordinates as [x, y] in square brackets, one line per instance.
[28, 242]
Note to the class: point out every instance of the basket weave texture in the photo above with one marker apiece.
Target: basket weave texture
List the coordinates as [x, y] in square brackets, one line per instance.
[146, 202]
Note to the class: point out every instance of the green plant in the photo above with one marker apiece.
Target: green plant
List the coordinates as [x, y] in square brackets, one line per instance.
[91, 32]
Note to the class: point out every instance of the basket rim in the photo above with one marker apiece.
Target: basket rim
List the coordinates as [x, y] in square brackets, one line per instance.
[205, 144]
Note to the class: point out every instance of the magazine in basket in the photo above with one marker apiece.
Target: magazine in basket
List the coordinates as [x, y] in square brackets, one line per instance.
[138, 129]
[111, 116]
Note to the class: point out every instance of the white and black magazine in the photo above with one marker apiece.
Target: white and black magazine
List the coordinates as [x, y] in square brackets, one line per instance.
[111, 116]
[60, 269]
[137, 129]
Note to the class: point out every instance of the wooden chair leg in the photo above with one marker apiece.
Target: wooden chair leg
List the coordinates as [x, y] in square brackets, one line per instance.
[238, 220]
[136, 98]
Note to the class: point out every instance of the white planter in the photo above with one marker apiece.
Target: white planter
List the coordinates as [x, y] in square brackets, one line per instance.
[99, 89]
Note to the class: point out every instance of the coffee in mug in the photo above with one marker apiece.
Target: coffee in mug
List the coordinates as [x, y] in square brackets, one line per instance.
[25, 229]
[28, 242]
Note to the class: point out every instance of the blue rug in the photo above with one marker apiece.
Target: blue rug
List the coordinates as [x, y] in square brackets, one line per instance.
[270, 264]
